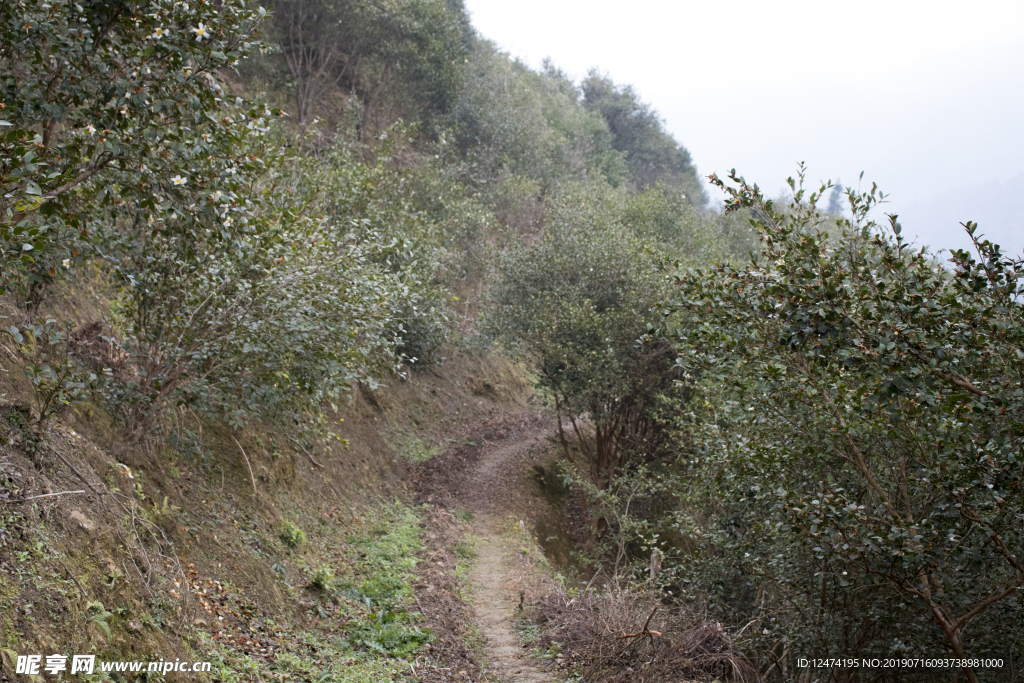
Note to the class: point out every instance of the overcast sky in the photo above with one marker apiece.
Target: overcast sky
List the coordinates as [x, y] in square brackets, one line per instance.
[926, 98]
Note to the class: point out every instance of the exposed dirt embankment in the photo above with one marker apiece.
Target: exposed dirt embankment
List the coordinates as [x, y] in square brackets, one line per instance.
[252, 548]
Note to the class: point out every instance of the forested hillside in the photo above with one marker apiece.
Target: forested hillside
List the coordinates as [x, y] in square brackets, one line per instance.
[325, 235]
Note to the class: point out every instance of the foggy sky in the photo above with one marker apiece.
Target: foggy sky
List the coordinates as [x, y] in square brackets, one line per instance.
[926, 98]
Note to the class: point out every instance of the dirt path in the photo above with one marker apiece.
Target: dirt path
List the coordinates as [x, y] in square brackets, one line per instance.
[493, 493]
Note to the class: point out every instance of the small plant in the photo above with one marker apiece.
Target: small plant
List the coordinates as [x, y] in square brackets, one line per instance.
[98, 615]
[113, 574]
[384, 591]
[58, 379]
[387, 633]
[529, 632]
[415, 450]
[323, 580]
[292, 536]
[466, 549]
[23, 430]
[164, 508]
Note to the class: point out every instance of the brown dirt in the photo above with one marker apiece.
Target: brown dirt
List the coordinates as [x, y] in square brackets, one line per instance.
[487, 477]
[449, 657]
[491, 498]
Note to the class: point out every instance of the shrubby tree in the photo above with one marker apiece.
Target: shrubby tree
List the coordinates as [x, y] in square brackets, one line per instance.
[513, 120]
[375, 196]
[663, 218]
[251, 280]
[572, 302]
[651, 155]
[396, 58]
[102, 86]
[274, 313]
[856, 468]
[499, 120]
[581, 142]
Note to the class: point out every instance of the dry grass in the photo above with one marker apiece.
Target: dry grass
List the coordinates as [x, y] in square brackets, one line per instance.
[623, 636]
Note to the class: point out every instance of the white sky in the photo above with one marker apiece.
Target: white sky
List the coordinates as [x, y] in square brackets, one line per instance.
[927, 98]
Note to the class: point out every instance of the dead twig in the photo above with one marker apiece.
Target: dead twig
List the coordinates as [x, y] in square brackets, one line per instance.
[644, 629]
[16, 359]
[45, 495]
[81, 588]
[75, 472]
[308, 454]
[600, 634]
[251, 477]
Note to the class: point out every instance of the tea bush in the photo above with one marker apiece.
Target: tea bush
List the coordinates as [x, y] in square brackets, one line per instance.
[856, 472]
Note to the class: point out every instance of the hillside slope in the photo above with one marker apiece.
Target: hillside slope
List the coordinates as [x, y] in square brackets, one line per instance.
[249, 550]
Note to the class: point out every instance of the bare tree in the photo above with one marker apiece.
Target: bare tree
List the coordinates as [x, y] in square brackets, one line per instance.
[319, 46]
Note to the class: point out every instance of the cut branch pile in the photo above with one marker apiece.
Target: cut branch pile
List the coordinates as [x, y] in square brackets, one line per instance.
[628, 636]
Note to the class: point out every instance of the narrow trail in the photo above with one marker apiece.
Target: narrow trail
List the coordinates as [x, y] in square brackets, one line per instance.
[492, 493]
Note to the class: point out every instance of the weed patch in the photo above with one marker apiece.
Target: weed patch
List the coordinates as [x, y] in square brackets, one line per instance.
[415, 450]
[361, 630]
[291, 535]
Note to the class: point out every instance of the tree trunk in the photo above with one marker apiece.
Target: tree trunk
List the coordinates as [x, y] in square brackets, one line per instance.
[604, 449]
[954, 636]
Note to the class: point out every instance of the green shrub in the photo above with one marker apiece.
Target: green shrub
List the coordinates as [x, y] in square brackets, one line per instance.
[857, 465]
[59, 379]
[573, 303]
[387, 633]
[323, 580]
[291, 535]
[133, 150]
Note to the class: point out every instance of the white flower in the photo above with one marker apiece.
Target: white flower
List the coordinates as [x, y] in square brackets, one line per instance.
[206, 137]
[66, 263]
[201, 32]
[90, 129]
[160, 33]
[178, 180]
[228, 222]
